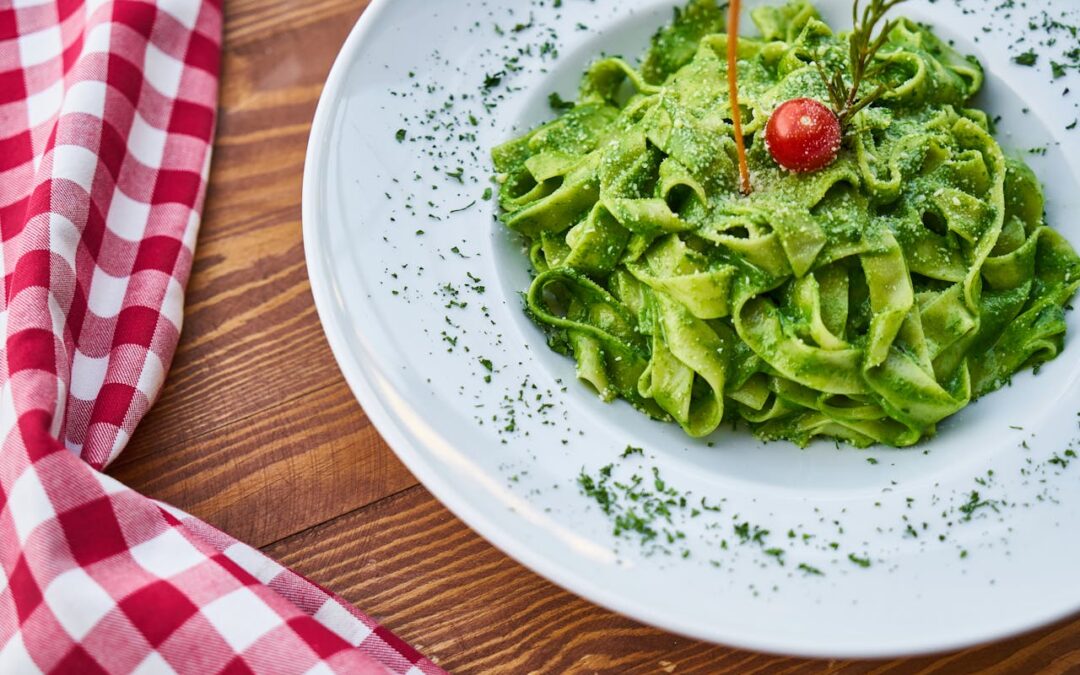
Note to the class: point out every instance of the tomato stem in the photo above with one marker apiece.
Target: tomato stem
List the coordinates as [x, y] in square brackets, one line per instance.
[733, 93]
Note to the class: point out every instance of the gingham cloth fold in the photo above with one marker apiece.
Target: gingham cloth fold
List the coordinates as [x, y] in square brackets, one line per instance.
[106, 119]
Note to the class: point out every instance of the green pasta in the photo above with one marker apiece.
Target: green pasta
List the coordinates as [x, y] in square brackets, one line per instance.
[866, 301]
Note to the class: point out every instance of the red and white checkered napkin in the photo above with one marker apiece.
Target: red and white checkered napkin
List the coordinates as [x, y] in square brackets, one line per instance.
[106, 118]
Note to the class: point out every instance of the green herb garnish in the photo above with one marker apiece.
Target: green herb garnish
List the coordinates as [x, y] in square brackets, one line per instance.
[862, 47]
[557, 103]
[974, 503]
[861, 562]
[1028, 58]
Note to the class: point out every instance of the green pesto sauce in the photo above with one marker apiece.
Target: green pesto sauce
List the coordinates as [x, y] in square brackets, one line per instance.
[865, 302]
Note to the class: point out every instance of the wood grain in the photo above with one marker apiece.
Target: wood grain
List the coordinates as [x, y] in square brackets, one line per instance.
[264, 477]
[257, 433]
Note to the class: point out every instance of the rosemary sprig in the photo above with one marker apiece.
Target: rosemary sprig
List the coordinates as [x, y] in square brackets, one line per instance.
[863, 45]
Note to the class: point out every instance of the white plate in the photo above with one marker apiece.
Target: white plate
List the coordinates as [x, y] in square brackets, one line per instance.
[365, 196]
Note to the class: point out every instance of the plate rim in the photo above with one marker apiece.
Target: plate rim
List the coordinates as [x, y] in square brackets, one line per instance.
[402, 444]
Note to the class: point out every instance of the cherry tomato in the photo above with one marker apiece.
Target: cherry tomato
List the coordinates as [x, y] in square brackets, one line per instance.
[803, 135]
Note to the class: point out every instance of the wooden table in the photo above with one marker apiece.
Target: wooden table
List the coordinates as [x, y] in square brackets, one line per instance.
[257, 433]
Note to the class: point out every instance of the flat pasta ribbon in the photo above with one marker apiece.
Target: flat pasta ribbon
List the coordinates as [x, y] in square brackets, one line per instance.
[866, 302]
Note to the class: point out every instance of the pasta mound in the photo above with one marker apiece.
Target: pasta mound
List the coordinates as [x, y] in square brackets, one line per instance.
[865, 302]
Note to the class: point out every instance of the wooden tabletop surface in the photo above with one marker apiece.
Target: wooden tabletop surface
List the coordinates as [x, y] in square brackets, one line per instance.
[257, 433]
